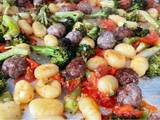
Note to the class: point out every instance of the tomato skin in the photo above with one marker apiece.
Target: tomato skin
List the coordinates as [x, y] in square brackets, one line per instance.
[2, 48]
[150, 39]
[71, 85]
[99, 52]
[108, 25]
[104, 70]
[127, 111]
[33, 64]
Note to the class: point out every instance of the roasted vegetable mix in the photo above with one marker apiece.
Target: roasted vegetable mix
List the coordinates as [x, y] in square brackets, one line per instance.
[78, 59]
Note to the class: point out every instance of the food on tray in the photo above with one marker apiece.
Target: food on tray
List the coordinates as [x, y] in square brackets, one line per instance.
[78, 59]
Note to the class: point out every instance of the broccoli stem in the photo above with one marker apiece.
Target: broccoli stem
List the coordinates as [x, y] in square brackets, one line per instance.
[14, 51]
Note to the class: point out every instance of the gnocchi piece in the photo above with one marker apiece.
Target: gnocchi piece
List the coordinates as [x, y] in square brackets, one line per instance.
[126, 50]
[13, 10]
[25, 27]
[114, 58]
[42, 107]
[10, 111]
[50, 40]
[39, 29]
[48, 90]
[108, 85]
[53, 8]
[23, 92]
[122, 12]
[89, 108]
[140, 65]
[45, 71]
[95, 62]
[88, 41]
[131, 24]
[153, 12]
[120, 21]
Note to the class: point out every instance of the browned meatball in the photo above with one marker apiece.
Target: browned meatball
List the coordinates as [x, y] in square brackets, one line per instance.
[14, 66]
[74, 36]
[126, 76]
[57, 29]
[106, 40]
[123, 32]
[125, 4]
[68, 7]
[154, 116]
[84, 7]
[76, 68]
[130, 94]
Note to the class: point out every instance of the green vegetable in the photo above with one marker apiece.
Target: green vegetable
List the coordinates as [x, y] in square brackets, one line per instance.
[149, 18]
[71, 103]
[3, 82]
[140, 32]
[58, 55]
[85, 51]
[13, 29]
[79, 26]
[130, 40]
[75, 15]
[21, 38]
[94, 32]
[43, 16]
[103, 13]
[16, 50]
[149, 52]
[145, 115]
[138, 5]
[6, 96]
[154, 66]
[133, 16]
[114, 117]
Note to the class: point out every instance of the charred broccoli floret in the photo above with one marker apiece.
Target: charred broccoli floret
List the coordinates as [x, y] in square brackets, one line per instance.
[140, 32]
[104, 13]
[138, 5]
[75, 15]
[133, 16]
[21, 38]
[58, 55]
[154, 66]
[85, 51]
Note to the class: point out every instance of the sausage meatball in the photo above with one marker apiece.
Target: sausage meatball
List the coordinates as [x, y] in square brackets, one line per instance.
[106, 40]
[123, 32]
[126, 76]
[84, 7]
[125, 4]
[57, 30]
[74, 36]
[15, 66]
[130, 94]
[154, 116]
[76, 68]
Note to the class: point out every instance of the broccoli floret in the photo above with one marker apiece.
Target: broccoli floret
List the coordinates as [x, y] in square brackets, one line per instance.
[140, 32]
[13, 29]
[58, 55]
[130, 40]
[138, 5]
[75, 15]
[114, 117]
[3, 82]
[43, 16]
[21, 38]
[94, 32]
[154, 66]
[16, 50]
[79, 26]
[85, 51]
[71, 103]
[103, 13]
[133, 16]
[6, 96]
